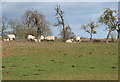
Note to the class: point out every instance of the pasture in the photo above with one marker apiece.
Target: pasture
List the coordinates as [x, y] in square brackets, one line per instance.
[59, 61]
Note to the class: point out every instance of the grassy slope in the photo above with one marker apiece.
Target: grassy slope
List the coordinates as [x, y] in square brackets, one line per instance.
[92, 61]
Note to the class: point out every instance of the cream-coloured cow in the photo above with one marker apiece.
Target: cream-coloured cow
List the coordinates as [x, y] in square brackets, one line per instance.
[42, 37]
[69, 40]
[50, 38]
[11, 37]
[35, 40]
[30, 37]
[78, 39]
[4, 39]
[39, 40]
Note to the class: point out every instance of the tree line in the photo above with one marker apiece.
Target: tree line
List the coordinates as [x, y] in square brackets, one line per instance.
[33, 22]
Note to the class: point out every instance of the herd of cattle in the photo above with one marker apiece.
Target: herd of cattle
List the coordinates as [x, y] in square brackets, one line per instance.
[53, 38]
[47, 38]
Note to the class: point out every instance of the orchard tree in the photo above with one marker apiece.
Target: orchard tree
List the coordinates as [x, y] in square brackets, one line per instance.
[109, 18]
[90, 28]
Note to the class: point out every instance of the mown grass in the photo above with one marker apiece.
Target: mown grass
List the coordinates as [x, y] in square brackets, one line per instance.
[60, 61]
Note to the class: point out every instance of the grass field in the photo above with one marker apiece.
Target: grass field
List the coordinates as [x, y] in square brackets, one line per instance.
[59, 61]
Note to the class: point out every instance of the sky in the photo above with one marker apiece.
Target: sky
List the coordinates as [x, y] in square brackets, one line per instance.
[76, 14]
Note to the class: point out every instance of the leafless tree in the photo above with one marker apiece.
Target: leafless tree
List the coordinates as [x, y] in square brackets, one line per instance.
[60, 18]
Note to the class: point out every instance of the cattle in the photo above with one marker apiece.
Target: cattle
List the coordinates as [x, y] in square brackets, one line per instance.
[78, 39]
[6, 39]
[42, 37]
[11, 37]
[35, 40]
[30, 37]
[69, 40]
[50, 38]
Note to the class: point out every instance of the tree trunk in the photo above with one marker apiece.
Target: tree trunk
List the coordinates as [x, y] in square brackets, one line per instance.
[13, 30]
[118, 38]
[38, 28]
[108, 35]
[91, 36]
[2, 34]
[28, 29]
[39, 35]
[64, 35]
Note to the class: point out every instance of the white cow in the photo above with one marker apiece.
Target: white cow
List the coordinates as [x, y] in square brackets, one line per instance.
[35, 40]
[50, 38]
[69, 40]
[42, 37]
[78, 39]
[30, 37]
[6, 39]
[11, 37]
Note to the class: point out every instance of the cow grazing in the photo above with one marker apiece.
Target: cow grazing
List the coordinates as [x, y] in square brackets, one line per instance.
[78, 39]
[35, 40]
[69, 40]
[50, 38]
[6, 39]
[30, 37]
[11, 37]
[42, 37]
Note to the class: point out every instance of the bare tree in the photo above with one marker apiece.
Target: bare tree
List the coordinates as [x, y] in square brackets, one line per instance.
[28, 20]
[35, 20]
[13, 24]
[60, 18]
[69, 33]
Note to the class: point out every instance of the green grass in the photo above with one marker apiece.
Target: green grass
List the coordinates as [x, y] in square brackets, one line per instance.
[32, 61]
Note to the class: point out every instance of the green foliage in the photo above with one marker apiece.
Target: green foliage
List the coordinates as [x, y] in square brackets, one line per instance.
[94, 32]
[113, 18]
[101, 20]
[109, 18]
[111, 12]
[90, 28]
